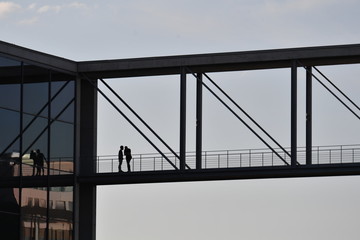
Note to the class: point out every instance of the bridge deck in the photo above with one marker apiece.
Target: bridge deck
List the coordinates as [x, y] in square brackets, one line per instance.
[223, 159]
[338, 160]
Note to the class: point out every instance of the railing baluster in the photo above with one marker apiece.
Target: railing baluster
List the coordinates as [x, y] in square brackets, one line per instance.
[98, 164]
[133, 164]
[205, 160]
[240, 159]
[249, 157]
[318, 154]
[341, 153]
[227, 158]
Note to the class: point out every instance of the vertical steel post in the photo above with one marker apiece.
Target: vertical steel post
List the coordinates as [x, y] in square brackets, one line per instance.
[86, 140]
[199, 94]
[182, 118]
[48, 158]
[21, 126]
[293, 113]
[308, 115]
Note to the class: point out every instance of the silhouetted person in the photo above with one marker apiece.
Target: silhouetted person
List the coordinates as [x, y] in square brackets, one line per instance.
[128, 157]
[33, 157]
[120, 157]
[40, 163]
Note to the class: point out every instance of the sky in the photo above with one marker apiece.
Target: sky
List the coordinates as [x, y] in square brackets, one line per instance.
[305, 208]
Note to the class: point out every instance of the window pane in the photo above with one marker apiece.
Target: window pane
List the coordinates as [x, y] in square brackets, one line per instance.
[62, 148]
[36, 98]
[35, 120]
[10, 71]
[10, 97]
[10, 76]
[9, 213]
[61, 213]
[61, 100]
[34, 139]
[34, 212]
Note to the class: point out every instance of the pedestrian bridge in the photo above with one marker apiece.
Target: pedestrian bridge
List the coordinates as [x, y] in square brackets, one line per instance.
[334, 160]
[331, 160]
[225, 159]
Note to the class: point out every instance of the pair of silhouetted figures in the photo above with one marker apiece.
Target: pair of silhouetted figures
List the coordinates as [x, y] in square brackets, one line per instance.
[39, 160]
[128, 157]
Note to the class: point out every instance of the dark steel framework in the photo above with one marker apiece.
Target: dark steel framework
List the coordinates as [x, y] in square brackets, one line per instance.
[89, 74]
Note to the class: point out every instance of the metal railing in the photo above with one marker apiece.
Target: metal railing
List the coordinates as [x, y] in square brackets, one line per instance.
[242, 158]
[334, 154]
[57, 166]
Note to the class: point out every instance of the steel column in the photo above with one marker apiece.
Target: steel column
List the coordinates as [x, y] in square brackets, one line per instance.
[199, 93]
[182, 119]
[308, 115]
[293, 113]
[86, 142]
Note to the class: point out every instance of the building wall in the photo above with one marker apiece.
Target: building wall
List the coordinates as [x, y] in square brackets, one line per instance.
[37, 109]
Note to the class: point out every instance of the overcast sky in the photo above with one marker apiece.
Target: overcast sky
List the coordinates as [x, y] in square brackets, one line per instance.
[313, 208]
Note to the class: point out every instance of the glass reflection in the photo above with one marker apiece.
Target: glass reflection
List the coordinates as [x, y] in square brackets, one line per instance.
[61, 148]
[34, 213]
[41, 218]
[34, 139]
[10, 72]
[61, 213]
[9, 213]
[64, 92]
[35, 98]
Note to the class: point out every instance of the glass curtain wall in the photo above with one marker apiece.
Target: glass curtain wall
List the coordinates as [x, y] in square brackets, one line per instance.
[37, 109]
[10, 116]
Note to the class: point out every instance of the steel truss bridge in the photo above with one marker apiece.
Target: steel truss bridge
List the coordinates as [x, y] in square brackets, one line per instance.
[179, 165]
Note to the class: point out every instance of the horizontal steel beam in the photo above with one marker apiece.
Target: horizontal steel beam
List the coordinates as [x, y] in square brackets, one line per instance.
[223, 174]
[219, 62]
[325, 170]
[214, 62]
[37, 58]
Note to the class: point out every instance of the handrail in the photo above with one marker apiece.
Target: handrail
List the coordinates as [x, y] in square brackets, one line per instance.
[261, 157]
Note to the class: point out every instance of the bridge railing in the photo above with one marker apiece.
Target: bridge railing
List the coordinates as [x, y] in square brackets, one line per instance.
[57, 166]
[335, 154]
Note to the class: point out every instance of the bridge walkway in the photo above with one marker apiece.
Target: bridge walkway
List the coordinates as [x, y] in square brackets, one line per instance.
[224, 159]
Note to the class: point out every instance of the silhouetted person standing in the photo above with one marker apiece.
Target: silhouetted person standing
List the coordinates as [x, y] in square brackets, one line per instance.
[128, 157]
[40, 162]
[120, 157]
[34, 158]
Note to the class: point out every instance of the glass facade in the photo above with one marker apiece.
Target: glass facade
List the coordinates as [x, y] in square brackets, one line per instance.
[37, 125]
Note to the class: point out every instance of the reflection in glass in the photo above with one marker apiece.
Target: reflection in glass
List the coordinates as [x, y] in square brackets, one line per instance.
[34, 138]
[10, 75]
[10, 97]
[9, 142]
[34, 213]
[9, 213]
[61, 213]
[65, 95]
[6, 62]
[61, 148]
[35, 98]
